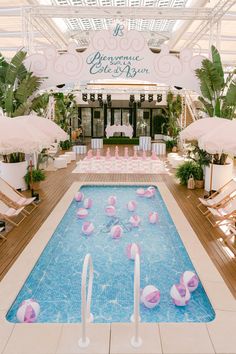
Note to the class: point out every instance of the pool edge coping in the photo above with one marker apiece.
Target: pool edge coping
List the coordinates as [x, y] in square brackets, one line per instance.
[209, 275]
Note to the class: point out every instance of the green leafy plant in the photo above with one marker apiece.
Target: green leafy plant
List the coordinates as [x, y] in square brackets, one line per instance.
[65, 110]
[43, 157]
[186, 169]
[40, 104]
[36, 175]
[65, 145]
[173, 110]
[170, 144]
[201, 157]
[160, 124]
[14, 158]
[218, 90]
[17, 85]
[121, 140]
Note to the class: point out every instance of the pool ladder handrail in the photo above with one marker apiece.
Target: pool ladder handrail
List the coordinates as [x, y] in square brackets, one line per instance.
[86, 316]
[136, 340]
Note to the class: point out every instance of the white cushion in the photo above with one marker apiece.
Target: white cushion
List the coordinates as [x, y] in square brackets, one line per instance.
[60, 162]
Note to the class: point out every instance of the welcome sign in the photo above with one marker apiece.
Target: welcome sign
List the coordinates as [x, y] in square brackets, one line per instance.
[116, 54]
[117, 66]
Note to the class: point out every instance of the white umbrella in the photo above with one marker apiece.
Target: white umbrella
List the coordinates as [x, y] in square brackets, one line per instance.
[221, 139]
[17, 136]
[45, 125]
[202, 126]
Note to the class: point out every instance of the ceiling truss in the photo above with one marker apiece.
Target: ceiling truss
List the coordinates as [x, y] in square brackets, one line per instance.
[37, 22]
[118, 12]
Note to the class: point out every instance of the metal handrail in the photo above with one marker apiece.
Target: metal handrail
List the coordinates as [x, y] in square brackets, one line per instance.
[136, 340]
[86, 316]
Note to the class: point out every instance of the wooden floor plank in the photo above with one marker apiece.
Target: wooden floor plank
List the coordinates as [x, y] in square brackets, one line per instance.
[58, 182]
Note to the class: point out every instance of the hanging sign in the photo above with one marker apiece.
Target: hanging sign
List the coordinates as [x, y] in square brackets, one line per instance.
[116, 54]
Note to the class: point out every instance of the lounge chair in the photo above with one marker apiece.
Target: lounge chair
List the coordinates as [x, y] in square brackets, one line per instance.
[14, 198]
[222, 196]
[230, 240]
[224, 214]
[1, 234]
[9, 214]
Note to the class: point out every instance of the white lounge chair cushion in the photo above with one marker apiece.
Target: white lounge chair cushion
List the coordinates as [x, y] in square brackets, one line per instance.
[228, 209]
[24, 201]
[229, 190]
[6, 211]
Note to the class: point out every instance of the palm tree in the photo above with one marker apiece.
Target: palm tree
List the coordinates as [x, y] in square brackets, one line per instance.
[17, 86]
[218, 90]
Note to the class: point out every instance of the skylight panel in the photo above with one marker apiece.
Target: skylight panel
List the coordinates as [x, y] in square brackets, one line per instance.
[163, 3]
[77, 2]
[105, 2]
[86, 24]
[150, 3]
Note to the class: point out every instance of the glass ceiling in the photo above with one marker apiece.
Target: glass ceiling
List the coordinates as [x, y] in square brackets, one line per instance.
[87, 24]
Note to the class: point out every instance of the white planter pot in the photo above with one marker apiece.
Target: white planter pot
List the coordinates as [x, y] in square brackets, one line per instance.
[13, 173]
[221, 174]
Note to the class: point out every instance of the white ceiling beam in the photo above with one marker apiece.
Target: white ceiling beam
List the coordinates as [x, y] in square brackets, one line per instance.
[15, 49]
[16, 34]
[10, 11]
[169, 13]
[206, 36]
[222, 52]
[110, 11]
[120, 12]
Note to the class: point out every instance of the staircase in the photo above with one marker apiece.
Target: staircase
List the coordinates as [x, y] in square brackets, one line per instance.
[189, 113]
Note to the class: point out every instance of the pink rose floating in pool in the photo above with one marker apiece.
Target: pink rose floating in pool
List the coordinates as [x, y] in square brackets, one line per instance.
[87, 228]
[82, 213]
[180, 294]
[132, 249]
[150, 296]
[116, 231]
[112, 200]
[88, 203]
[153, 217]
[190, 280]
[131, 205]
[79, 196]
[110, 210]
[135, 220]
[28, 311]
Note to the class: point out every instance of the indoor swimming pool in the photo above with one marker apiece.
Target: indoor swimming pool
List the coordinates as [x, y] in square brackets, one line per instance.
[56, 278]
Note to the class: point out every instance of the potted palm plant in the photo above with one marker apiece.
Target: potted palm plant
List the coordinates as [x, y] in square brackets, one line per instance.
[17, 89]
[35, 174]
[218, 100]
[33, 177]
[202, 159]
[186, 170]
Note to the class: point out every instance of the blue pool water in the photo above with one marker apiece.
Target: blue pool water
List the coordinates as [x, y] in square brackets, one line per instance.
[55, 280]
